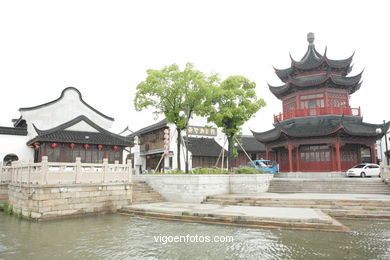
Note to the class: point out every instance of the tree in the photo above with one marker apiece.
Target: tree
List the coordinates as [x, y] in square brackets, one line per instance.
[170, 91]
[233, 103]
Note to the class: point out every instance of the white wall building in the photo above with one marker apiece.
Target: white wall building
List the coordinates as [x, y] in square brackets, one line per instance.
[62, 129]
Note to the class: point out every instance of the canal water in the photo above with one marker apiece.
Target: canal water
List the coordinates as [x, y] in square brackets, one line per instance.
[124, 237]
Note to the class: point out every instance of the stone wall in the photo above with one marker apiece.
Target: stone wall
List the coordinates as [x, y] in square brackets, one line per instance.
[55, 201]
[3, 192]
[195, 188]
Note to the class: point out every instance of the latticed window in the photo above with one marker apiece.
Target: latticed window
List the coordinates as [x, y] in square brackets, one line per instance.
[315, 153]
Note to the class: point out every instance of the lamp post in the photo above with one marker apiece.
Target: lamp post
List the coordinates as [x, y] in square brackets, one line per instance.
[378, 131]
[387, 151]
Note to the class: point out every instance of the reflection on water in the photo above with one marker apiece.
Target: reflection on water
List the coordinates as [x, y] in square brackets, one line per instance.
[123, 237]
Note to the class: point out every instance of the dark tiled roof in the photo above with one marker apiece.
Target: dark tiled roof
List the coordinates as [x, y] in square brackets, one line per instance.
[62, 95]
[204, 147]
[321, 126]
[13, 130]
[60, 134]
[336, 81]
[250, 144]
[20, 122]
[161, 124]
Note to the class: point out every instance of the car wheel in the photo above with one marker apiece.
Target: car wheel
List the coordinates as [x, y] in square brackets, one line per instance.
[363, 175]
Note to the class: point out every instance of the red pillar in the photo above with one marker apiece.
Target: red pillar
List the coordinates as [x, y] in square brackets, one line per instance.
[267, 153]
[373, 153]
[290, 164]
[298, 159]
[338, 158]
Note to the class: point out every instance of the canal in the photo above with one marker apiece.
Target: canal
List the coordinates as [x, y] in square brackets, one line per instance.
[124, 237]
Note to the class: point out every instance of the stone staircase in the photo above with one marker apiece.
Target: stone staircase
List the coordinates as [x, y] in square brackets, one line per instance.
[143, 193]
[347, 208]
[334, 185]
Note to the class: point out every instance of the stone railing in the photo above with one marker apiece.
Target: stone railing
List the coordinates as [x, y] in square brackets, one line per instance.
[65, 173]
[5, 174]
[385, 173]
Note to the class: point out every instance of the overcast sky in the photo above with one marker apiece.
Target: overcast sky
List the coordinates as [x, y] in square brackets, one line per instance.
[103, 48]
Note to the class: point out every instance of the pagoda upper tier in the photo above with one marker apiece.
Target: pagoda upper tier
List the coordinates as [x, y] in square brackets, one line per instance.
[315, 71]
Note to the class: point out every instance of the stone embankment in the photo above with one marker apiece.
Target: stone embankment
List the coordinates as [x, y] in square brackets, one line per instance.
[245, 216]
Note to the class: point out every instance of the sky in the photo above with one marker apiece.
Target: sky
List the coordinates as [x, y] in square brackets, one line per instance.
[103, 48]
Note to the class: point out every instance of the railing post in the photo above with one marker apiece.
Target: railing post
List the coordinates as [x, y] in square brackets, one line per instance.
[78, 169]
[105, 168]
[129, 165]
[44, 169]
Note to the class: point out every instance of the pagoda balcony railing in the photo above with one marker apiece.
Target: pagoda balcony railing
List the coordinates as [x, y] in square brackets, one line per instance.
[318, 111]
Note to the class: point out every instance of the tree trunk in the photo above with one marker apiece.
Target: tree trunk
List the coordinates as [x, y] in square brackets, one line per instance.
[230, 151]
[178, 148]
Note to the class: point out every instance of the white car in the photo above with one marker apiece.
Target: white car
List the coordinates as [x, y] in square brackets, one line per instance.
[364, 170]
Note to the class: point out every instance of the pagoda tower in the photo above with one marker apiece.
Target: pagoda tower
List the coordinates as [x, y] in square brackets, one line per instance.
[318, 130]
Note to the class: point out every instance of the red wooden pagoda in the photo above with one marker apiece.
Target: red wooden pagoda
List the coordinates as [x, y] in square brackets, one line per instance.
[318, 130]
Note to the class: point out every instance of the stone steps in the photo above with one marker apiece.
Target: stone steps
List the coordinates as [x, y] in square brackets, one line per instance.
[143, 193]
[341, 208]
[337, 186]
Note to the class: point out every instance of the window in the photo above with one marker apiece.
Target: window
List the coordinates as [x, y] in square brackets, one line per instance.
[315, 153]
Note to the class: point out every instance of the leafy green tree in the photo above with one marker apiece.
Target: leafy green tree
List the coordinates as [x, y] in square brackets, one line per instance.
[232, 104]
[170, 91]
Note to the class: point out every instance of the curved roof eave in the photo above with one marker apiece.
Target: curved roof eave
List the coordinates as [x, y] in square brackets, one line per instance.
[61, 96]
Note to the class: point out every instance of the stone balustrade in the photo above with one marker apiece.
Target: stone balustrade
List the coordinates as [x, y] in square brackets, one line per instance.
[65, 173]
[385, 173]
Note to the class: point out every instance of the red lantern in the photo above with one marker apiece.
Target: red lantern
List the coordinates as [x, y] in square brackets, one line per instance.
[115, 147]
[148, 157]
[86, 146]
[100, 147]
[53, 145]
[72, 145]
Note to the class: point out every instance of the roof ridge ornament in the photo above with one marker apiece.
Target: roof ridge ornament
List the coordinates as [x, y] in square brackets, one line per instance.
[310, 38]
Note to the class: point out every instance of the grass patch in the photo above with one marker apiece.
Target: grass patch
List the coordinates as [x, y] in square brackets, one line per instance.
[8, 208]
[185, 213]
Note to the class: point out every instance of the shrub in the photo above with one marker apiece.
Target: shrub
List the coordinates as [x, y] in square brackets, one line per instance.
[209, 171]
[247, 170]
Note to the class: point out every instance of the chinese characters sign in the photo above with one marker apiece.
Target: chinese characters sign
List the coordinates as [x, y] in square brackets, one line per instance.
[198, 130]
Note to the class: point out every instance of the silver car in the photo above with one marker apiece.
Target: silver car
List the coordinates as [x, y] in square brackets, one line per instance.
[364, 169]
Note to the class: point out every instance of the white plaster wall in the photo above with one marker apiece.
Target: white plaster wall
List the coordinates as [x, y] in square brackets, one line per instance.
[195, 121]
[64, 110]
[15, 144]
[195, 188]
[82, 126]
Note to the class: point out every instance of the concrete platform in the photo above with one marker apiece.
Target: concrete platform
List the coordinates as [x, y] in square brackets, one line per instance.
[324, 196]
[246, 216]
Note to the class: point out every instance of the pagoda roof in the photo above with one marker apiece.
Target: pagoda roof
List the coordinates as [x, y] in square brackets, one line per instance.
[337, 81]
[313, 63]
[62, 135]
[317, 126]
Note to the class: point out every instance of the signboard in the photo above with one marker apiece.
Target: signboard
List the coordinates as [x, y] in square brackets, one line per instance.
[198, 130]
